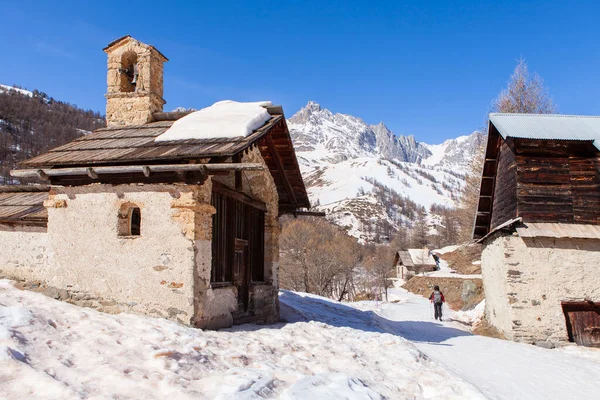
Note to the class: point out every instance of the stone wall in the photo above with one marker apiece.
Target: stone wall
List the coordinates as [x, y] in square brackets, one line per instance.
[165, 271]
[151, 273]
[25, 252]
[525, 281]
[127, 104]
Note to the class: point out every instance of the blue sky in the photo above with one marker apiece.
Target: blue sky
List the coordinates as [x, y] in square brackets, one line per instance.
[428, 68]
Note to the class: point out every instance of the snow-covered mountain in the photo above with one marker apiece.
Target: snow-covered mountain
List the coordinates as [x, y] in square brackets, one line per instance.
[6, 88]
[369, 180]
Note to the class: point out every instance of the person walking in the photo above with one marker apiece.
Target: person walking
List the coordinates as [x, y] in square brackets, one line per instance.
[437, 298]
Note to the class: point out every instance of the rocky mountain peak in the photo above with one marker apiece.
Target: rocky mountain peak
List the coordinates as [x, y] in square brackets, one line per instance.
[367, 178]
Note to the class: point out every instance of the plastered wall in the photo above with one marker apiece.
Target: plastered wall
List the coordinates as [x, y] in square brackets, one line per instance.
[525, 281]
[151, 273]
[25, 252]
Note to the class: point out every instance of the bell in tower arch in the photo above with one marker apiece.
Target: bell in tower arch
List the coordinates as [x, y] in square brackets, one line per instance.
[135, 82]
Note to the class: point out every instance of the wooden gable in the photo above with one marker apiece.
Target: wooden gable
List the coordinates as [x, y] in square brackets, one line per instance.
[538, 180]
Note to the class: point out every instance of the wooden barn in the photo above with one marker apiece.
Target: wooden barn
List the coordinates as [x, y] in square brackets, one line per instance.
[186, 229]
[539, 220]
[411, 262]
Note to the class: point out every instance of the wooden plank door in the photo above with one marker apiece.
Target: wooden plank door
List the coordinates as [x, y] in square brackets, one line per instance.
[241, 274]
[583, 323]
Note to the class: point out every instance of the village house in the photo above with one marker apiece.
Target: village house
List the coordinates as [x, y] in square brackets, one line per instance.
[411, 262]
[539, 221]
[142, 217]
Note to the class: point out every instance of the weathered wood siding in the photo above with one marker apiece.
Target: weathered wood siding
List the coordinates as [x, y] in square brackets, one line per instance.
[557, 181]
[505, 190]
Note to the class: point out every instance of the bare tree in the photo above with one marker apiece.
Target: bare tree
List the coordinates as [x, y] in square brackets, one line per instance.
[466, 213]
[380, 265]
[525, 93]
[318, 257]
[420, 230]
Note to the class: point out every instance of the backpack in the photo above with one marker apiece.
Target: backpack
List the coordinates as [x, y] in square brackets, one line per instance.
[437, 297]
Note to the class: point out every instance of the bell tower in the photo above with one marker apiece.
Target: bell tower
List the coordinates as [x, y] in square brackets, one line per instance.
[135, 82]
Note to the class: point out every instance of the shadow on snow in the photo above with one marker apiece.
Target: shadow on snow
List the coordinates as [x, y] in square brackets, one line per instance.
[297, 308]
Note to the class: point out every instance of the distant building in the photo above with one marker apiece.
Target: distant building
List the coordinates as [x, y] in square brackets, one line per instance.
[539, 221]
[411, 262]
[182, 229]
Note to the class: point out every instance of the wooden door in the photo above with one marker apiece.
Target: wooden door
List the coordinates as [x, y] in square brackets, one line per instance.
[241, 274]
[583, 322]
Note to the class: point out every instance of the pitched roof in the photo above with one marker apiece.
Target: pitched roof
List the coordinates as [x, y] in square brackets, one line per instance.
[136, 145]
[415, 257]
[405, 258]
[108, 146]
[20, 205]
[548, 126]
[126, 39]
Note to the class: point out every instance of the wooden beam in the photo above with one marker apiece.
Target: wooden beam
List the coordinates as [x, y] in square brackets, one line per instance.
[38, 174]
[280, 168]
[24, 188]
[93, 172]
[239, 196]
[307, 213]
[238, 174]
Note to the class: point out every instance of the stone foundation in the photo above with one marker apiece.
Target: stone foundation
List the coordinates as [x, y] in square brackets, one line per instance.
[525, 280]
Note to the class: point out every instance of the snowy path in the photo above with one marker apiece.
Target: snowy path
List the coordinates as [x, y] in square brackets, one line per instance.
[499, 369]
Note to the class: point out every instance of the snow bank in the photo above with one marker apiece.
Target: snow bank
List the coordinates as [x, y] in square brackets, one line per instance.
[54, 350]
[224, 119]
[470, 317]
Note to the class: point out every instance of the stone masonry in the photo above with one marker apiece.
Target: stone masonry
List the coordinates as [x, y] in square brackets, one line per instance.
[126, 104]
[526, 279]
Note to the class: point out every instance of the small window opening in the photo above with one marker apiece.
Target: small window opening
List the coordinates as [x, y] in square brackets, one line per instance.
[135, 221]
[129, 72]
[130, 220]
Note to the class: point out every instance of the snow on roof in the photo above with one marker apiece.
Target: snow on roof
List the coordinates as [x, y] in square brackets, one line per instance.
[421, 257]
[224, 119]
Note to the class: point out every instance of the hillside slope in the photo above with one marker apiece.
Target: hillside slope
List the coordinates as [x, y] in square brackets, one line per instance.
[32, 123]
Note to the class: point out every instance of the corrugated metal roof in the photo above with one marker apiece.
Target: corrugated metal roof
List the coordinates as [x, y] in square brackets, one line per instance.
[548, 126]
[556, 230]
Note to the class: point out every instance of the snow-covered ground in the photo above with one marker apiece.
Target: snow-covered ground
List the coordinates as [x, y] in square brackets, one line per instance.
[499, 369]
[327, 350]
[54, 350]
[445, 271]
[5, 88]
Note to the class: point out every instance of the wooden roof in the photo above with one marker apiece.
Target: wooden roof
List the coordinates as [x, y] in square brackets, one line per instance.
[405, 258]
[23, 207]
[135, 145]
[132, 144]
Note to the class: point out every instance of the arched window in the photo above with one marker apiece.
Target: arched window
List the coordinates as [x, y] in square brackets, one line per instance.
[135, 221]
[128, 70]
[130, 220]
